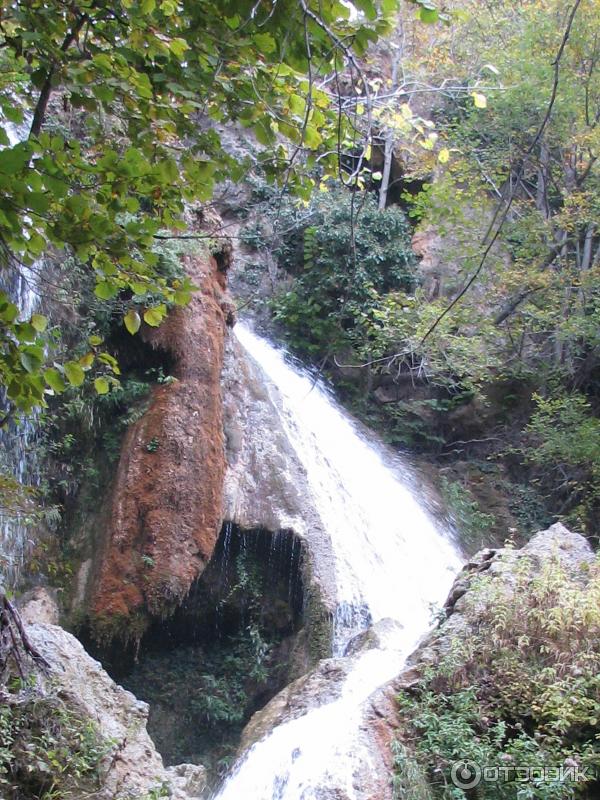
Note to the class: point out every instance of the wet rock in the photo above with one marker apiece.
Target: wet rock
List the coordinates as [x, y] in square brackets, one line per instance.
[320, 686]
[266, 486]
[188, 779]
[385, 634]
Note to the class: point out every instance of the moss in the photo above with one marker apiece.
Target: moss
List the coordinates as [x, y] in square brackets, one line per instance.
[319, 624]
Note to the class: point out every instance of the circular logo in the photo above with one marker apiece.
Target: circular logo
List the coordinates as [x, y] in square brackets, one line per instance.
[465, 774]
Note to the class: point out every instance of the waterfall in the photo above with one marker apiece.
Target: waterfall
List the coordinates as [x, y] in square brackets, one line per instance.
[391, 560]
[17, 441]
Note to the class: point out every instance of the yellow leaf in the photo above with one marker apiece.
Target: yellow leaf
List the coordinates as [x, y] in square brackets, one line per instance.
[444, 155]
[480, 100]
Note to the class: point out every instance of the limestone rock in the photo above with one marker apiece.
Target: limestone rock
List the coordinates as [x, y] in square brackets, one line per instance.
[320, 686]
[265, 483]
[133, 766]
[39, 606]
[188, 779]
[573, 552]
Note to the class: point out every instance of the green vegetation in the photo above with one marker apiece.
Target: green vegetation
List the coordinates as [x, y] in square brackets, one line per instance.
[490, 349]
[345, 254]
[225, 653]
[520, 688]
[563, 437]
[109, 100]
[46, 751]
[202, 696]
[474, 525]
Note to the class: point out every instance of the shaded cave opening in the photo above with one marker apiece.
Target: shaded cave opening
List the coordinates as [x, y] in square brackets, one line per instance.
[232, 645]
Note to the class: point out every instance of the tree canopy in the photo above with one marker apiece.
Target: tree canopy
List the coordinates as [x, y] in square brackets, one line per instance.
[107, 132]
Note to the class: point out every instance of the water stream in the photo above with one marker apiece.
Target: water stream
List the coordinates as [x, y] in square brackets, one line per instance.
[17, 440]
[392, 561]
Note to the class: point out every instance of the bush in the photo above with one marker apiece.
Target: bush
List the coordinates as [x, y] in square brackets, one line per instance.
[563, 446]
[46, 751]
[344, 255]
[522, 687]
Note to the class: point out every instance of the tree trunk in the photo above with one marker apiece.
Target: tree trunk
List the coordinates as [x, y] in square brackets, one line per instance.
[388, 154]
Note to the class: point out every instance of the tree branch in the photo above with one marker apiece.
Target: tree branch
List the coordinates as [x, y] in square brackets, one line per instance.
[519, 175]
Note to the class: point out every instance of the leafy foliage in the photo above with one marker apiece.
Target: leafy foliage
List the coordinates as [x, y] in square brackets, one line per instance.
[521, 689]
[474, 525]
[563, 438]
[146, 76]
[344, 254]
[46, 751]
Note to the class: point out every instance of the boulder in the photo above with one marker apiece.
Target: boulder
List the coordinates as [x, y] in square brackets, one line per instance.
[132, 767]
[573, 553]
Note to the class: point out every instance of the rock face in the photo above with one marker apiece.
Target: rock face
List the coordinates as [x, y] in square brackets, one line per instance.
[573, 552]
[160, 536]
[133, 766]
[265, 483]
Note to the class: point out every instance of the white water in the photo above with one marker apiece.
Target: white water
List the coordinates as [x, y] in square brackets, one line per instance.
[391, 561]
[17, 443]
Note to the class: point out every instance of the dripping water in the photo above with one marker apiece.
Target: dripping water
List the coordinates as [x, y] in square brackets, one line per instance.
[17, 440]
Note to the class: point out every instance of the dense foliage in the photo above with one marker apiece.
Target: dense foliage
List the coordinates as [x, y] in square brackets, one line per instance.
[345, 254]
[47, 752]
[519, 690]
[107, 131]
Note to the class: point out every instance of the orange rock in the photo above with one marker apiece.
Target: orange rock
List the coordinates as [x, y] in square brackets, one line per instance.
[167, 497]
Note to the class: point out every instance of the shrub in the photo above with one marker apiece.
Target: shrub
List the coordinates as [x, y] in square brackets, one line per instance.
[47, 752]
[563, 445]
[522, 687]
[344, 253]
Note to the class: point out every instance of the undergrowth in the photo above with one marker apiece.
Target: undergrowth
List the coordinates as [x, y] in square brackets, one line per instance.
[520, 688]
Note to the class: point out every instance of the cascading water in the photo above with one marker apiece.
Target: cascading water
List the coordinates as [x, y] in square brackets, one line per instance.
[17, 451]
[391, 561]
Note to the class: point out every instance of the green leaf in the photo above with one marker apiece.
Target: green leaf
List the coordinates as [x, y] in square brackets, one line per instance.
[312, 137]
[8, 312]
[30, 361]
[39, 322]
[54, 380]
[178, 47]
[74, 373]
[94, 340]
[25, 332]
[13, 160]
[428, 15]
[265, 42]
[132, 321]
[101, 385]
[86, 361]
[106, 290]
[154, 316]
[182, 297]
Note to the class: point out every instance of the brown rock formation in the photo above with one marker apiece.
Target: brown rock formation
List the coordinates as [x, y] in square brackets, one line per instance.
[167, 497]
